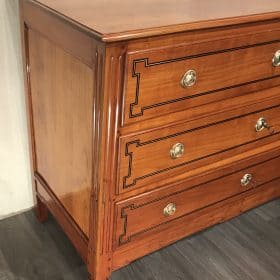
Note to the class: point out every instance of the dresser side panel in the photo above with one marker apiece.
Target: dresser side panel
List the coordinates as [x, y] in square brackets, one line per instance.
[61, 98]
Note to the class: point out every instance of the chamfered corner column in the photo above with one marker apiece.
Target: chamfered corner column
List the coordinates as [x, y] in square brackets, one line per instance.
[107, 99]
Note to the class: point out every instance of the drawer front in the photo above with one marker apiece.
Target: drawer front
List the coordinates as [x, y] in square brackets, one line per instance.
[147, 212]
[154, 82]
[161, 155]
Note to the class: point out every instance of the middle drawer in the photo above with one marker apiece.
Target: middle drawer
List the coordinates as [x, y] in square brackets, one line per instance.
[148, 158]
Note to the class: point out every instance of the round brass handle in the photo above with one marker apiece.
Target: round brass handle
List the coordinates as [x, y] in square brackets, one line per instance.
[261, 124]
[245, 181]
[276, 59]
[169, 210]
[177, 150]
[189, 79]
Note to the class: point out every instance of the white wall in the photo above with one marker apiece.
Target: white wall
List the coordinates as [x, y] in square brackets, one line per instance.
[15, 179]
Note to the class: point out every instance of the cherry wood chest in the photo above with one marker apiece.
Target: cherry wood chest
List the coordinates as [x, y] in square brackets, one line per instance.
[150, 120]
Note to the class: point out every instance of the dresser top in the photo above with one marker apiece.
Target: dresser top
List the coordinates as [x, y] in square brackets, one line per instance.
[114, 20]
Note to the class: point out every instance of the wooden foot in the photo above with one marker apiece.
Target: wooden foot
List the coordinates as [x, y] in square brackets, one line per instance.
[93, 278]
[42, 211]
[98, 274]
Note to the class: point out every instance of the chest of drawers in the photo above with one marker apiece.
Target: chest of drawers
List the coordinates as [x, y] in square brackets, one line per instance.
[150, 121]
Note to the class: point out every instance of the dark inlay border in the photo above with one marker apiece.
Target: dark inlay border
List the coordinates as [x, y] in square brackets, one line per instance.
[123, 238]
[138, 144]
[137, 75]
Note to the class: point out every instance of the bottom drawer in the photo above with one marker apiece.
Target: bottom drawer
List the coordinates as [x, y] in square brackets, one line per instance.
[168, 233]
[147, 212]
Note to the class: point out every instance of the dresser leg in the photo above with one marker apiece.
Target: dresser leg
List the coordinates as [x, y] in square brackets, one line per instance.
[91, 277]
[42, 211]
[101, 273]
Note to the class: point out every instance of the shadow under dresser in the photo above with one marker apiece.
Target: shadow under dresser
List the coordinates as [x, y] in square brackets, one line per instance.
[150, 121]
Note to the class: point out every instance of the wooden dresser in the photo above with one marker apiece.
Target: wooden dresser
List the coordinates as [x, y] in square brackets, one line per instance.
[150, 120]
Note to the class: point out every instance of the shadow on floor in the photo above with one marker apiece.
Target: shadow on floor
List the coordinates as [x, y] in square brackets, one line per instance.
[245, 248]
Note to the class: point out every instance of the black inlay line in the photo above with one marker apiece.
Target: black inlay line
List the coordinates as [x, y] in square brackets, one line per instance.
[210, 53]
[129, 238]
[139, 144]
[189, 162]
[208, 92]
[207, 125]
[205, 183]
[137, 75]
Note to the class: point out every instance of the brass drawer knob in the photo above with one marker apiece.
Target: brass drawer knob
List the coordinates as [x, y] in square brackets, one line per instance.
[246, 180]
[189, 79]
[177, 150]
[169, 210]
[261, 124]
[276, 59]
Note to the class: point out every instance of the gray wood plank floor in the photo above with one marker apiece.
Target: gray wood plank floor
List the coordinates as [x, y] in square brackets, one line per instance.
[245, 248]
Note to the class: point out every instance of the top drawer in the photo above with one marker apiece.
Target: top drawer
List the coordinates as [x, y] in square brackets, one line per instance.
[167, 80]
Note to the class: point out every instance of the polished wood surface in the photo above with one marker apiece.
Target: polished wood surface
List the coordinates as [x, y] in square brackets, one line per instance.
[61, 94]
[106, 119]
[76, 43]
[197, 221]
[113, 20]
[46, 198]
[103, 118]
[146, 212]
[167, 234]
[245, 101]
[163, 49]
[153, 74]
[145, 158]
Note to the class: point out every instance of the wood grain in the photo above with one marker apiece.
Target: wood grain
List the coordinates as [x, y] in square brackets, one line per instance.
[149, 18]
[145, 158]
[66, 221]
[65, 36]
[61, 94]
[143, 213]
[106, 120]
[91, 65]
[196, 221]
[152, 75]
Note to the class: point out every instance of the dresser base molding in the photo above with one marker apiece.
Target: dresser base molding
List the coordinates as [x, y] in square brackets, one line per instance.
[42, 211]
[197, 221]
[46, 198]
